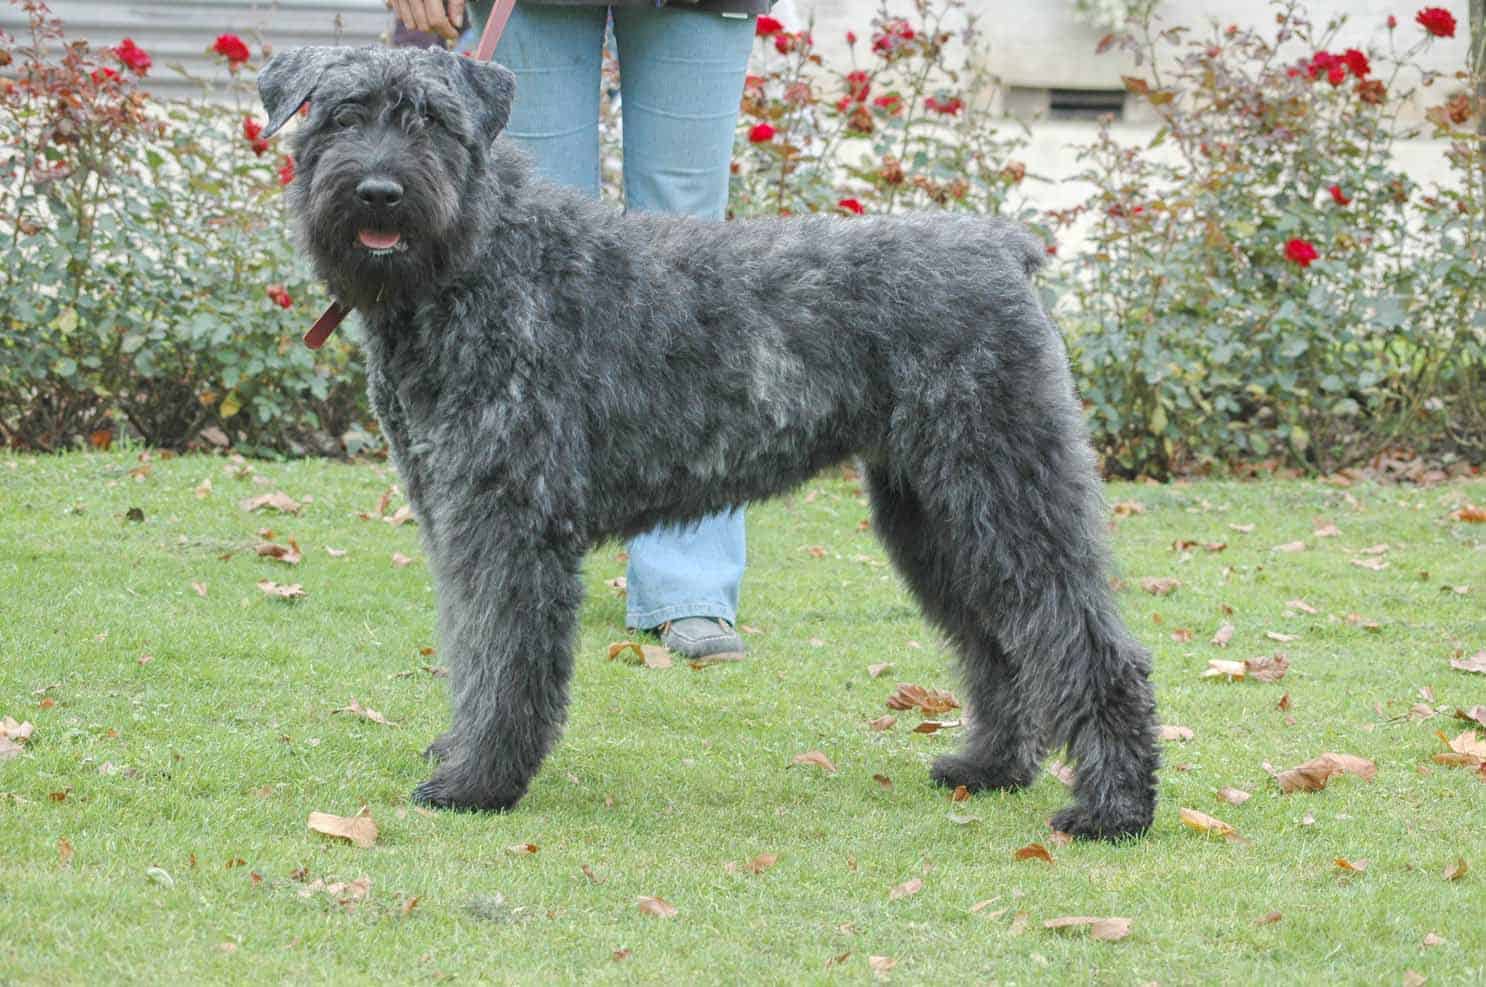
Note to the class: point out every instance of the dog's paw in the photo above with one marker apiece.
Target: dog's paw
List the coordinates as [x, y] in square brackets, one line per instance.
[1082, 824]
[954, 770]
[437, 793]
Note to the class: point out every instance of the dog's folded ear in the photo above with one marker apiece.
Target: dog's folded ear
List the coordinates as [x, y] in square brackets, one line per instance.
[287, 81]
[490, 89]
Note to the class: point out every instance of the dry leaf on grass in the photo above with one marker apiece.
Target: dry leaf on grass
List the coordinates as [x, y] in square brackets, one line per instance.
[873, 671]
[816, 758]
[403, 515]
[288, 554]
[13, 736]
[1313, 775]
[1270, 669]
[1223, 635]
[1351, 866]
[1290, 546]
[1175, 733]
[929, 702]
[358, 829]
[1062, 772]
[1163, 586]
[1033, 851]
[934, 726]
[1325, 529]
[1181, 635]
[1234, 796]
[1476, 714]
[1205, 824]
[881, 965]
[292, 591]
[365, 712]
[1457, 870]
[883, 781]
[659, 907]
[1475, 663]
[1413, 978]
[1281, 638]
[522, 849]
[1433, 939]
[1466, 750]
[906, 889]
[1470, 513]
[400, 561]
[1302, 606]
[276, 501]
[1269, 919]
[634, 653]
[64, 853]
[1103, 929]
[1375, 565]
[200, 589]
[1128, 508]
[961, 819]
[1243, 529]
[883, 722]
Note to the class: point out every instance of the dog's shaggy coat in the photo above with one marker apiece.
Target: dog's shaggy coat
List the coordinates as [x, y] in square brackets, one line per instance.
[551, 373]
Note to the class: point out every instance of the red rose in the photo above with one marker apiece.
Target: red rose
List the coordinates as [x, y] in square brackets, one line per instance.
[860, 84]
[286, 170]
[766, 26]
[1339, 197]
[279, 296]
[784, 42]
[1357, 62]
[1392, 22]
[1437, 21]
[843, 104]
[134, 56]
[851, 206]
[949, 107]
[1372, 91]
[891, 103]
[1337, 74]
[105, 74]
[851, 37]
[761, 133]
[894, 33]
[253, 134]
[1300, 252]
[231, 47]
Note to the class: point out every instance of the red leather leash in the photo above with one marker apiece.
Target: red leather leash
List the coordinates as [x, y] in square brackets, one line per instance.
[333, 316]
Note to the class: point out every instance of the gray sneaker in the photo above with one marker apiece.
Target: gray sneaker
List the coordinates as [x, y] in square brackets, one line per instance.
[702, 639]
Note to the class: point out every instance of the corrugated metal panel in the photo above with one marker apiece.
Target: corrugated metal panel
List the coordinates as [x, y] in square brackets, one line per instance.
[177, 33]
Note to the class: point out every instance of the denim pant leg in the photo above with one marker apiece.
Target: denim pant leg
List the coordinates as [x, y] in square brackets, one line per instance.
[681, 74]
[557, 55]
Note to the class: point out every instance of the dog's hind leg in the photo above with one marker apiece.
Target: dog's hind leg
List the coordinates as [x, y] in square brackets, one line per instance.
[507, 619]
[1002, 749]
[1009, 481]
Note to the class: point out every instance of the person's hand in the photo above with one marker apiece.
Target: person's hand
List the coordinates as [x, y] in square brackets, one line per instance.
[431, 15]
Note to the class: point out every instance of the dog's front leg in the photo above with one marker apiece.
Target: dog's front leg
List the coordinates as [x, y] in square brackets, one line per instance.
[508, 605]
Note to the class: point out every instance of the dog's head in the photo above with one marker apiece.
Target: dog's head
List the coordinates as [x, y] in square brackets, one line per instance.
[394, 142]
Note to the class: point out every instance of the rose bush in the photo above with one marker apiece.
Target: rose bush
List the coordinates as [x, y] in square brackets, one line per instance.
[149, 283]
[1265, 283]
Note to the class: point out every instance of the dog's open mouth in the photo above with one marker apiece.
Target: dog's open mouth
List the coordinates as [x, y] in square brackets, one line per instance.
[381, 244]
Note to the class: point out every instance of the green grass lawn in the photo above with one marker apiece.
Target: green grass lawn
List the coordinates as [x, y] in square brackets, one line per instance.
[154, 829]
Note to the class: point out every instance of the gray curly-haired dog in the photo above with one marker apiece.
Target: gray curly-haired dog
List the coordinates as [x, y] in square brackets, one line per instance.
[551, 373]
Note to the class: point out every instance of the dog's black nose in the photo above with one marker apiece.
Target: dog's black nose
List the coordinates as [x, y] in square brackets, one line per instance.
[380, 193]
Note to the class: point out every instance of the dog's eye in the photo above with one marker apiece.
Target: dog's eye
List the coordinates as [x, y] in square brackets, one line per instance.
[347, 116]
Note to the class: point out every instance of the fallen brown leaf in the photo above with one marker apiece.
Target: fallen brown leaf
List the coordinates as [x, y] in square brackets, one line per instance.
[1268, 919]
[1281, 638]
[816, 758]
[1163, 586]
[1470, 513]
[13, 736]
[359, 829]
[277, 501]
[365, 712]
[403, 515]
[761, 863]
[1205, 824]
[1223, 635]
[1353, 866]
[934, 726]
[64, 852]
[881, 965]
[883, 781]
[1302, 606]
[1291, 546]
[293, 591]
[1432, 939]
[1475, 663]
[288, 554]
[1270, 669]
[1128, 508]
[1466, 750]
[1476, 714]
[1234, 796]
[200, 589]
[1175, 733]
[873, 671]
[908, 888]
[634, 653]
[1313, 775]
[1062, 772]
[1104, 929]
[1375, 565]
[929, 702]
[1181, 635]
[400, 561]
[883, 722]
[522, 849]
[659, 907]
[1457, 870]
[1033, 851]
[620, 955]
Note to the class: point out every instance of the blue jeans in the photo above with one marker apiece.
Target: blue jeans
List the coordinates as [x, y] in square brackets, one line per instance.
[682, 77]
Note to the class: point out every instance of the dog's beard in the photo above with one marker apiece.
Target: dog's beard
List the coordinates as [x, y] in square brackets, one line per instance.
[369, 257]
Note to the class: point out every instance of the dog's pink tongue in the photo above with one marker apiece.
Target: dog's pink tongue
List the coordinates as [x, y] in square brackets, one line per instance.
[378, 241]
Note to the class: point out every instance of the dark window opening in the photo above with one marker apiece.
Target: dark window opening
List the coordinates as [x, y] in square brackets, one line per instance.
[1085, 104]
